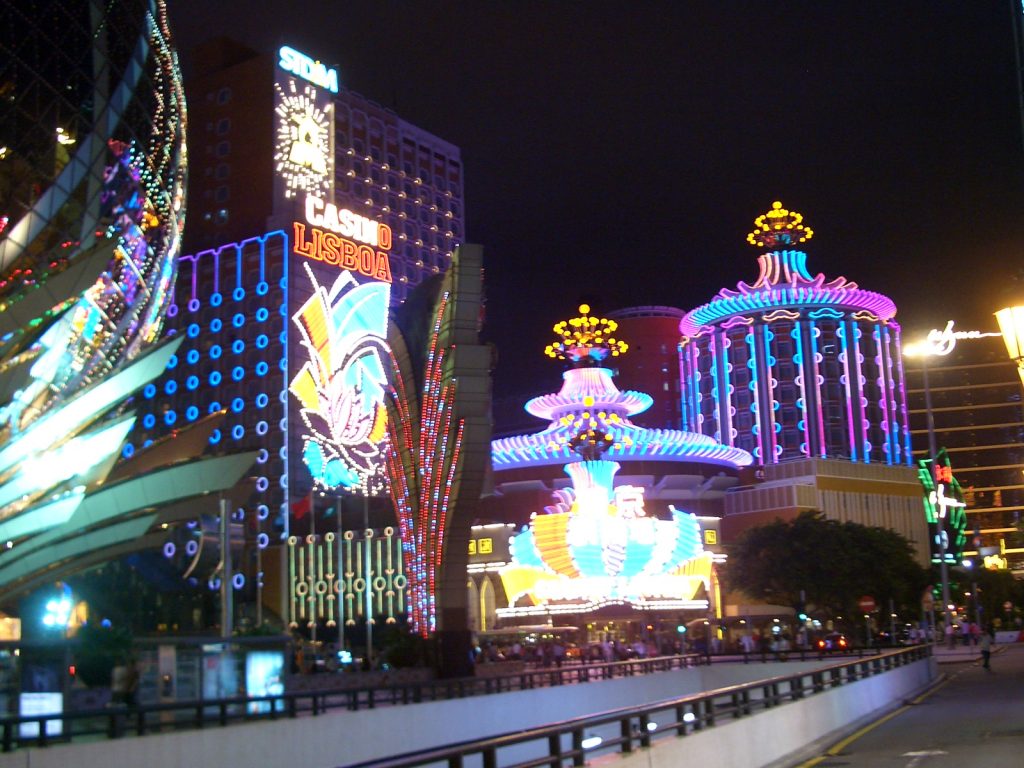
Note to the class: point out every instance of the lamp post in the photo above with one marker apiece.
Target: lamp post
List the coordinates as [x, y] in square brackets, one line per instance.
[923, 352]
[1011, 324]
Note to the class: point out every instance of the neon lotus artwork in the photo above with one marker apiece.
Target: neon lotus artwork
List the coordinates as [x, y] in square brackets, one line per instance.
[596, 546]
[341, 386]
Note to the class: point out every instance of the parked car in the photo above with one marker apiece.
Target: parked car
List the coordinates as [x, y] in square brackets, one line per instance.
[834, 641]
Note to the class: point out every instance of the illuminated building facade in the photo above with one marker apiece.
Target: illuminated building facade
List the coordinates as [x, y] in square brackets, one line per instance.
[976, 406]
[267, 137]
[604, 540]
[795, 365]
[288, 332]
[92, 205]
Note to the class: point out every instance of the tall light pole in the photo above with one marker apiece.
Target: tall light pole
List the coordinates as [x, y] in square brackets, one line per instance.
[923, 352]
[1011, 324]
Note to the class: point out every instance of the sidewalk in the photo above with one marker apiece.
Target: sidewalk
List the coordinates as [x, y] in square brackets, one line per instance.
[965, 653]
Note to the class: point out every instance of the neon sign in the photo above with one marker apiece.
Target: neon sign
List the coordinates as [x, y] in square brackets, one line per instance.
[346, 223]
[338, 251]
[341, 384]
[303, 147]
[308, 69]
[942, 342]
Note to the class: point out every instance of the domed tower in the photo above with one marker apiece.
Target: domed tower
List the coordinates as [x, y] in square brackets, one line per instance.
[794, 365]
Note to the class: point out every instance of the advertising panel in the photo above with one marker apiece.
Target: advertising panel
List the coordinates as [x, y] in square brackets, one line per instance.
[339, 290]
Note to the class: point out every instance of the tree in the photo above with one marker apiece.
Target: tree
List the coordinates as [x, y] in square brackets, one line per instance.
[833, 564]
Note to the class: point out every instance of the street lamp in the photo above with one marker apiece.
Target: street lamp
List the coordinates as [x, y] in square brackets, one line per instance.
[923, 352]
[1011, 324]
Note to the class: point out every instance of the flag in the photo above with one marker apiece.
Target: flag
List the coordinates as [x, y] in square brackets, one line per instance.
[302, 507]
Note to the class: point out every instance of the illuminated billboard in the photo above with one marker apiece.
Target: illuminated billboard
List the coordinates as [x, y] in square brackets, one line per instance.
[338, 364]
[303, 138]
[944, 507]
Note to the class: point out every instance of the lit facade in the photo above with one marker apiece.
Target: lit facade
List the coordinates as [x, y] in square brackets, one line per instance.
[795, 365]
[976, 406]
[270, 137]
[605, 540]
[91, 217]
[286, 333]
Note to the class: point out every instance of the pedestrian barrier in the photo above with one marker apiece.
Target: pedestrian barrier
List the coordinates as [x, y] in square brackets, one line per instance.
[636, 727]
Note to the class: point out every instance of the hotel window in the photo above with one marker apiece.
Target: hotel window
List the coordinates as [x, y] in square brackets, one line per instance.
[223, 148]
[224, 95]
[223, 170]
[223, 126]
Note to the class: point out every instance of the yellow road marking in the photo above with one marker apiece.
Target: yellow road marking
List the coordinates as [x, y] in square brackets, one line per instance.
[838, 747]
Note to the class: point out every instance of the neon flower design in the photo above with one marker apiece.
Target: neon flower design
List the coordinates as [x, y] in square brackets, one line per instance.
[341, 386]
[596, 545]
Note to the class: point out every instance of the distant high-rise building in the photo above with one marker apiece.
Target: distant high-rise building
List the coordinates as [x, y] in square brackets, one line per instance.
[976, 408]
[271, 130]
[653, 334]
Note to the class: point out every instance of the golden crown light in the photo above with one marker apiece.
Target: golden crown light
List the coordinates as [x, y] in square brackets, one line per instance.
[585, 340]
[779, 227]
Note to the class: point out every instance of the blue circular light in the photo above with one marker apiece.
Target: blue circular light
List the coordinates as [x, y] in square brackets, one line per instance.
[170, 417]
[262, 484]
[192, 357]
[261, 428]
[283, 365]
[238, 373]
[262, 511]
[237, 405]
[215, 378]
[216, 324]
[238, 320]
[171, 387]
[214, 407]
[262, 288]
[238, 431]
[283, 337]
[128, 451]
[193, 305]
[193, 330]
[149, 391]
[262, 455]
[238, 294]
[147, 443]
[191, 413]
[172, 311]
[238, 580]
[191, 383]
[172, 362]
[262, 341]
[237, 346]
[263, 541]
[262, 400]
[149, 421]
[216, 300]
[215, 437]
[262, 314]
[262, 368]
[215, 352]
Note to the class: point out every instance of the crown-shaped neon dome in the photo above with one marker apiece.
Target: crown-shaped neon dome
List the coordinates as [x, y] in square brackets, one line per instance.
[585, 340]
[779, 228]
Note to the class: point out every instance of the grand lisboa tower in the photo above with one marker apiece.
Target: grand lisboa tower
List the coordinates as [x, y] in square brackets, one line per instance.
[92, 205]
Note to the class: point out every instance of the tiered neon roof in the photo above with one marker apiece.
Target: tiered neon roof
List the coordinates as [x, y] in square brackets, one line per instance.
[784, 281]
[589, 399]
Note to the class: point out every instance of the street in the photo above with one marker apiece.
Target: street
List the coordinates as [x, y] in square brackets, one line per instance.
[974, 717]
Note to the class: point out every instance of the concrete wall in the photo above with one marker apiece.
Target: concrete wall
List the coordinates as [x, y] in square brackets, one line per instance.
[341, 737]
[784, 735]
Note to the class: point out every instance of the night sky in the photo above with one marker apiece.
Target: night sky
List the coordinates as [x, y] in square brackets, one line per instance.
[618, 152]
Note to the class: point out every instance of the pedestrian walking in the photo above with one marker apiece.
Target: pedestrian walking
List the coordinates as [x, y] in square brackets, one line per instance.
[985, 644]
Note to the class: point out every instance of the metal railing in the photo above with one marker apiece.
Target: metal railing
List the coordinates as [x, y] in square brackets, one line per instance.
[630, 728]
[119, 720]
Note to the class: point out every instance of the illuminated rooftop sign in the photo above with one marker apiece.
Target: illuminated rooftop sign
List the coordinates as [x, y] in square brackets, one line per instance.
[308, 69]
[942, 342]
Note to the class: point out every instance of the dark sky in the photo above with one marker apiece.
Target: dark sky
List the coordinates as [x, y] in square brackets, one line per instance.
[619, 151]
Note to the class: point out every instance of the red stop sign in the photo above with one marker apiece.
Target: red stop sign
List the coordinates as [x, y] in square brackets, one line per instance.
[867, 604]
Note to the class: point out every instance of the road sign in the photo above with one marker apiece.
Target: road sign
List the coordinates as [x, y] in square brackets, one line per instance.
[867, 604]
